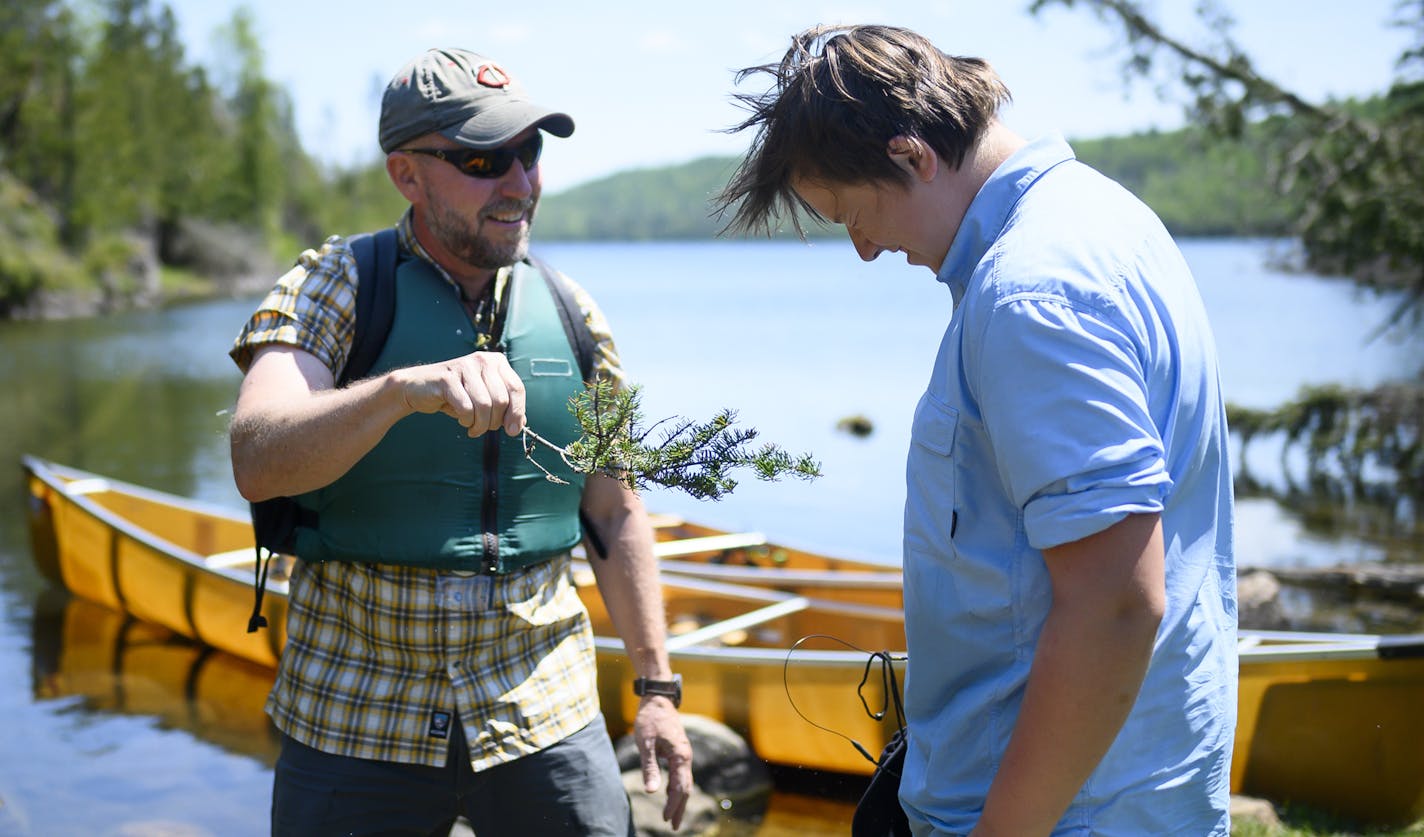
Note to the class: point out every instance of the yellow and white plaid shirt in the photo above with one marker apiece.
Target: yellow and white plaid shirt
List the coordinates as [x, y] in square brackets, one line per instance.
[379, 658]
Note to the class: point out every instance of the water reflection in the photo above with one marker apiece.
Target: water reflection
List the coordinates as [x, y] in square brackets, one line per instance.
[116, 665]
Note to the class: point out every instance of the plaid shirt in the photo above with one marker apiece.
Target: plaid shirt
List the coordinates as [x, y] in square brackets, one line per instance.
[379, 658]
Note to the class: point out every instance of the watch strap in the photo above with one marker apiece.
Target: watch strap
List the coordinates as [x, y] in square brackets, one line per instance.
[671, 689]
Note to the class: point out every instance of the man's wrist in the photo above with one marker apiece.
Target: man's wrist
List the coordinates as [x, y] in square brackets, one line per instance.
[670, 689]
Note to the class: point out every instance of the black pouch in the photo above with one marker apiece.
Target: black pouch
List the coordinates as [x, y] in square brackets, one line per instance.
[878, 813]
[275, 522]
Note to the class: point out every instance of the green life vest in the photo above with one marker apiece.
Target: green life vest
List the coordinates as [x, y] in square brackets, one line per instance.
[427, 495]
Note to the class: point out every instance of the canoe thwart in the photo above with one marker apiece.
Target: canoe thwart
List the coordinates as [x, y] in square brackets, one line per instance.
[231, 558]
[710, 543]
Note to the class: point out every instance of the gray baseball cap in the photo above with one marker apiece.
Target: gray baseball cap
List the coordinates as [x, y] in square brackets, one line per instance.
[468, 98]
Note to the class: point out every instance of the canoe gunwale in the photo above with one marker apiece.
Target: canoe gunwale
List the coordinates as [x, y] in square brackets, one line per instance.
[1256, 647]
[1287, 646]
[60, 479]
[862, 579]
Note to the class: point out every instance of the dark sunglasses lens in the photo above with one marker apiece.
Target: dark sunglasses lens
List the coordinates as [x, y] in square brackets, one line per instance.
[495, 163]
[530, 150]
[484, 163]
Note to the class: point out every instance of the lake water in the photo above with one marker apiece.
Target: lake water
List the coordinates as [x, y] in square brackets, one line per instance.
[794, 337]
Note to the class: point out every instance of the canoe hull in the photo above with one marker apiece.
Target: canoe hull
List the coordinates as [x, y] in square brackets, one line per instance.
[1328, 721]
[1343, 735]
[142, 551]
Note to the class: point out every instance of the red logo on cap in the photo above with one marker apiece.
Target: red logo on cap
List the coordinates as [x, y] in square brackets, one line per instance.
[491, 74]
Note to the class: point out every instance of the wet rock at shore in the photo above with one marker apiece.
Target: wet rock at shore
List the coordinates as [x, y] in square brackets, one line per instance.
[729, 779]
[1248, 809]
[1258, 601]
[701, 817]
[1361, 598]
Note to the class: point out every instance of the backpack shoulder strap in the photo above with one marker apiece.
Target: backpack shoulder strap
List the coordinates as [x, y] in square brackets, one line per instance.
[575, 326]
[375, 300]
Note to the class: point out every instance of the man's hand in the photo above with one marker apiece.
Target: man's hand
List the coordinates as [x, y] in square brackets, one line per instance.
[658, 731]
[479, 390]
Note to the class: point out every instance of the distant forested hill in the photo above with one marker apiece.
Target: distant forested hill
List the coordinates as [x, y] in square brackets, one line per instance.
[1197, 187]
[643, 204]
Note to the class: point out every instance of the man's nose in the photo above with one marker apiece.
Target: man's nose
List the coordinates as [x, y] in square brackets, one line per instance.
[863, 247]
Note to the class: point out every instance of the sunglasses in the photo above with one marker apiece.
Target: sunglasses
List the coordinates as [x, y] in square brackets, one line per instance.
[488, 163]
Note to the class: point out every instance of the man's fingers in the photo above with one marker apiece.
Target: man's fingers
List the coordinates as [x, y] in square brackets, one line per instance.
[486, 388]
[514, 415]
[652, 776]
[480, 391]
[679, 788]
[674, 809]
[457, 402]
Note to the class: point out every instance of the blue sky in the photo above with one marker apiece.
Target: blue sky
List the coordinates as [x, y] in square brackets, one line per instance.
[649, 83]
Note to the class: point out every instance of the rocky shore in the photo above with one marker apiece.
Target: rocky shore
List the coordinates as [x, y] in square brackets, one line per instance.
[1364, 597]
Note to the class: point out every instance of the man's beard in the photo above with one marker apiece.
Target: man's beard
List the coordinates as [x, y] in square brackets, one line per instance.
[463, 238]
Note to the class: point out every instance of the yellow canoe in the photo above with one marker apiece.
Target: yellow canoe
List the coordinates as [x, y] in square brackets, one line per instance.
[1332, 721]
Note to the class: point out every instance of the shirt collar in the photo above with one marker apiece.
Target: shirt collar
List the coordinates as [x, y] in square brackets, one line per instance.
[989, 211]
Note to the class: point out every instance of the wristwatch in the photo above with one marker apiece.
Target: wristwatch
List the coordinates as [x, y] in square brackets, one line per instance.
[671, 689]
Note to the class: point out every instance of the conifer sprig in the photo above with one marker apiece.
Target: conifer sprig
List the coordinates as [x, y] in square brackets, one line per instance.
[693, 457]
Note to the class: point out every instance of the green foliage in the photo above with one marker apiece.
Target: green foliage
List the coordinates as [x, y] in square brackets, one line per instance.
[260, 134]
[694, 457]
[1197, 186]
[361, 199]
[1353, 172]
[1355, 175]
[30, 252]
[1300, 821]
[104, 121]
[1348, 434]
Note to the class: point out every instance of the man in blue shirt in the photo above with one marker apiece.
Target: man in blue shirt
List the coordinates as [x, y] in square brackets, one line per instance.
[1070, 605]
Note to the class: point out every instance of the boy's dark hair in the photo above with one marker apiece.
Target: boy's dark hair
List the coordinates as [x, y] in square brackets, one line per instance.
[837, 98]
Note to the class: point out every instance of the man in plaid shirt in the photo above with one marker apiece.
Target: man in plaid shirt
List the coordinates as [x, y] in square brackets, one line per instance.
[439, 662]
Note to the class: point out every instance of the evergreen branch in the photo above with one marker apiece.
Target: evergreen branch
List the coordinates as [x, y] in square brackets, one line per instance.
[694, 457]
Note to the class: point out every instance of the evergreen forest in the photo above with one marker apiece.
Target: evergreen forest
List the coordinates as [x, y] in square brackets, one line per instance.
[130, 175]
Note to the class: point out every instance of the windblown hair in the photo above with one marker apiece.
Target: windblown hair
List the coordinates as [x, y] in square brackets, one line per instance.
[837, 98]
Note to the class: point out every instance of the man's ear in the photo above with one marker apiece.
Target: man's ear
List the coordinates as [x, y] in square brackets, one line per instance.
[401, 169]
[914, 155]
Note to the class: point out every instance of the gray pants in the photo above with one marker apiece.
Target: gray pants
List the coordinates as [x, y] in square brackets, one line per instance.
[573, 788]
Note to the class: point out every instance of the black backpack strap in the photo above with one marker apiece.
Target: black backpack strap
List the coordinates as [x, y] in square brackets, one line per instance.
[376, 254]
[575, 327]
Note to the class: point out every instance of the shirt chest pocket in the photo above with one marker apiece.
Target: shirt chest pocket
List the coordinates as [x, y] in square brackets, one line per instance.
[931, 501]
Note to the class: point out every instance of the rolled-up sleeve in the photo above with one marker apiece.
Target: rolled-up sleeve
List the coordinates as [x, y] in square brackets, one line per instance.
[312, 307]
[1063, 396]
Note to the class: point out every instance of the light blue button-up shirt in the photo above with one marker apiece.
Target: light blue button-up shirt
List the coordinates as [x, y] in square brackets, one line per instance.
[1077, 384]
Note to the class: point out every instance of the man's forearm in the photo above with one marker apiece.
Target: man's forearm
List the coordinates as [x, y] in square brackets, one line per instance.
[1085, 677]
[1109, 596]
[283, 446]
[628, 582]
